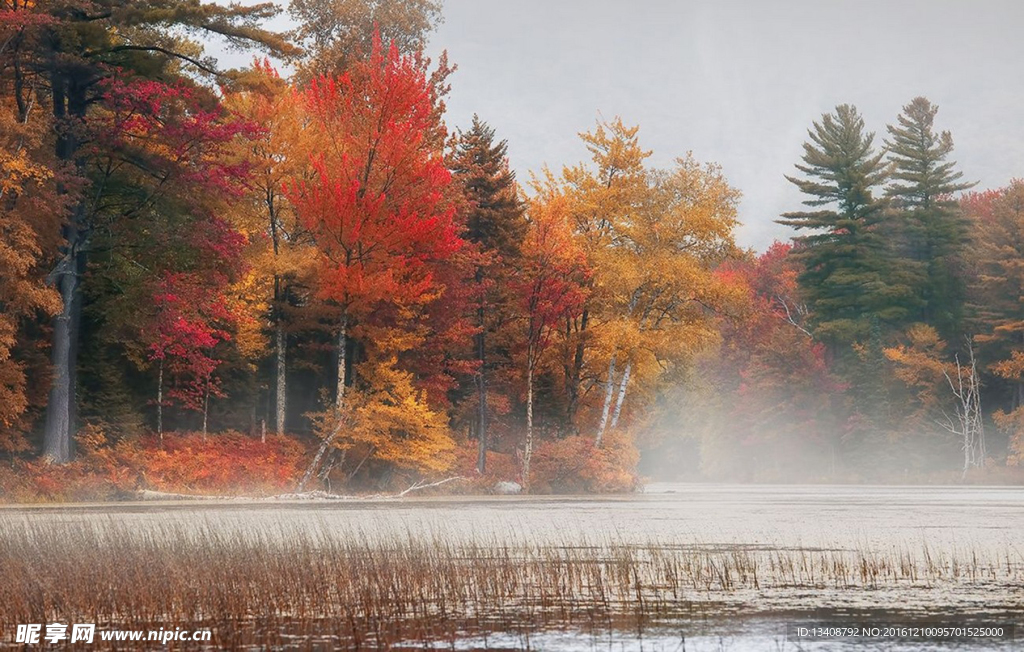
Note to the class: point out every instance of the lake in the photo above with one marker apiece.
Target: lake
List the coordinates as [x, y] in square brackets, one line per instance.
[717, 567]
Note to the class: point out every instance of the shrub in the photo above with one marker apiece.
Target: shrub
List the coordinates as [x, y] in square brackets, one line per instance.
[226, 463]
[576, 465]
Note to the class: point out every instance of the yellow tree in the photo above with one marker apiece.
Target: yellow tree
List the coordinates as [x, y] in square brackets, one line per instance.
[662, 292]
[31, 208]
[281, 260]
[653, 240]
[601, 199]
[386, 422]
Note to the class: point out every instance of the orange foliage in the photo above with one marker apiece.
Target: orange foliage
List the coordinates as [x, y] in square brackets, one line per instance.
[224, 464]
[576, 465]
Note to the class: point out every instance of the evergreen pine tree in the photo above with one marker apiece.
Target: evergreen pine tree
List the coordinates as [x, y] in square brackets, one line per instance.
[495, 223]
[933, 229]
[849, 275]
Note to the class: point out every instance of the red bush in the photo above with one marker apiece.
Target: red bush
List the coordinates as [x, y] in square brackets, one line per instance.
[224, 464]
[576, 465]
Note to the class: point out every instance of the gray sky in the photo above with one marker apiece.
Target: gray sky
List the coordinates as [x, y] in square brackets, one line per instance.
[737, 82]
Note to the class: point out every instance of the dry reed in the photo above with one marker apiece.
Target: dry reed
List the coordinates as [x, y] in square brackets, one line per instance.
[264, 588]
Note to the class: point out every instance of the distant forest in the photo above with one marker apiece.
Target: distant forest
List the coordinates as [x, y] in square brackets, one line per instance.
[252, 278]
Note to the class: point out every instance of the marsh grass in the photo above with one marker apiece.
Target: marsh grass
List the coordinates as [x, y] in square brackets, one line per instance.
[267, 587]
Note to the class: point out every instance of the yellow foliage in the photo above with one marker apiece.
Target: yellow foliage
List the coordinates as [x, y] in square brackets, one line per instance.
[921, 364]
[29, 231]
[277, 255]
[391, 419]
[653, 240]
[1012, 423]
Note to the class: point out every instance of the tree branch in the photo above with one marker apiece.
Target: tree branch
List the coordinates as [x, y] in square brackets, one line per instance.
[155, 48]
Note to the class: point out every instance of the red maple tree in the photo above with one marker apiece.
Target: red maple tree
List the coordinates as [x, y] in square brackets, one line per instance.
[376, 202]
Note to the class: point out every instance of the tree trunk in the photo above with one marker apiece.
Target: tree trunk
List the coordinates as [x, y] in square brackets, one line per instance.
[69, 105]
[574, 372]
[57, 436]
[342, 360]
[160, 402]
[620, 399]
[481, 388]
[338, 404]
[280, 343]
[528, 448]
[609, 386]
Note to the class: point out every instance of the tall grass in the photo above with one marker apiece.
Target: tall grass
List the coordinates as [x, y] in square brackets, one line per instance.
[265, 587]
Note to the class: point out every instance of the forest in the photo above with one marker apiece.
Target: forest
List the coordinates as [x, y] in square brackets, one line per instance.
[298, 276]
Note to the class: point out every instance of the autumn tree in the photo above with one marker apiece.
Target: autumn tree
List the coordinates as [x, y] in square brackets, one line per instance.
[68, 53]
[281, 260]
[374, 204]
[337, 32]
[191, 318]
[30, 226]
[550, 288]
[850, 275]
[652, 240]
[932, 227]
[495, 224]
[659, 278]
[164, 157]
[602, 199]
[997, 292]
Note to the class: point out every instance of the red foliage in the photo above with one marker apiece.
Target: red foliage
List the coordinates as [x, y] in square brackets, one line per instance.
[979, 205]
[550, 284]
[576, 465]
[166, 131]
[227, 463]
[191, 318]
[376, 204]
[224, 464]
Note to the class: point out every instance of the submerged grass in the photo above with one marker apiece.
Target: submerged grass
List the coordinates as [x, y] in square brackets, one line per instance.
[268, 587]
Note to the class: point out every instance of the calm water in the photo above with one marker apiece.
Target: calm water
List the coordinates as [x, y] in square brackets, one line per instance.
[983, 522]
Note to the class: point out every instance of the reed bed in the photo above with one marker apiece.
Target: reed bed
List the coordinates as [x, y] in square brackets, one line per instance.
[263, 587]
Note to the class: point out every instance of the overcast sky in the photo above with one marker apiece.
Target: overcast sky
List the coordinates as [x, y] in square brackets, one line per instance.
[737, 82]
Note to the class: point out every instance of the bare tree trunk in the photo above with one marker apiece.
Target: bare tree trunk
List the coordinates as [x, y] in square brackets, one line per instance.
[342, 360]
[338, 404]
[620, 399]
[481, 388]
[206, 407]
[528, 448]
[969, 424]
[609, 386]
[263, 431]
[574, 370]
[280, 344]
[69, 107]
[57, 436]
[160, 402]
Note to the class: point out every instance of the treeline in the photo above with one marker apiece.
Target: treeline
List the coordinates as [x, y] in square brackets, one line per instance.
[319, 256]
[886, 341]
